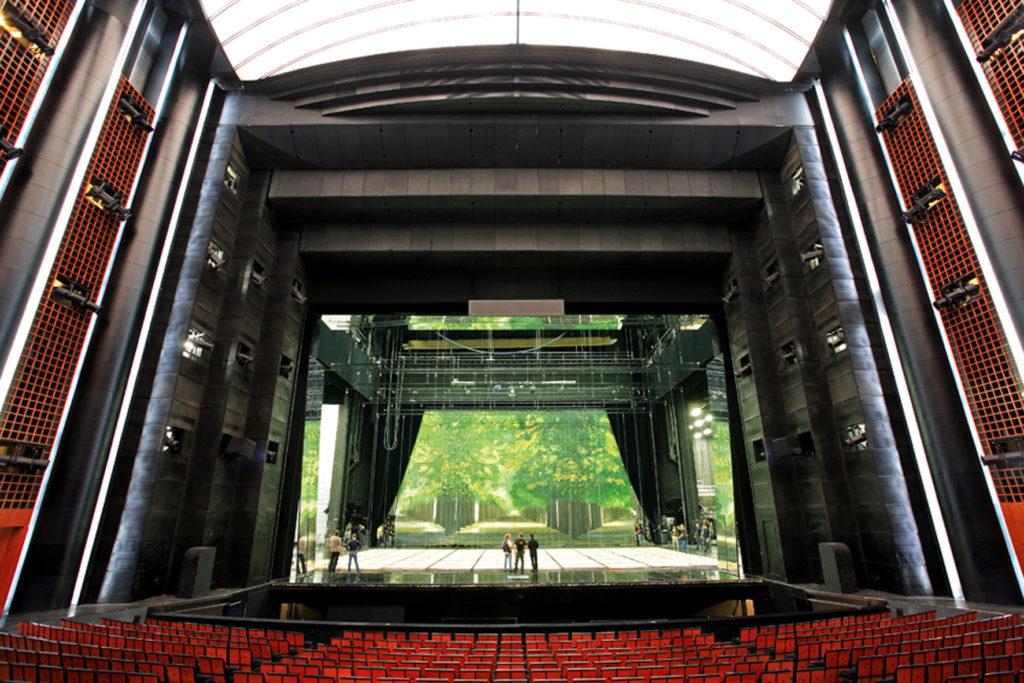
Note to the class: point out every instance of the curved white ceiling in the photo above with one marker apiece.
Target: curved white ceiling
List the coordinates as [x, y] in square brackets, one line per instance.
[766, 38]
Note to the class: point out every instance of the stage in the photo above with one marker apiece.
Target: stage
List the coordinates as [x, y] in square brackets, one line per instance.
[475, 560]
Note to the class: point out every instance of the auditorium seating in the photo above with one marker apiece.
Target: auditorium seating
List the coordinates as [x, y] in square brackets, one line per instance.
[870, 647]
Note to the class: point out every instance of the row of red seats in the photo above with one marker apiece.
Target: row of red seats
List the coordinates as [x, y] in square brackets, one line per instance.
[871, 647]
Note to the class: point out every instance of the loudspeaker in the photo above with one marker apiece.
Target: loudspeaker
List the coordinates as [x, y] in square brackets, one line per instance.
[837, 568]
[196, 572]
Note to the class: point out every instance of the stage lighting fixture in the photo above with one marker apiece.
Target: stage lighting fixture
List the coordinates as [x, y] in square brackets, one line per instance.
[297, 294]
[788, 353]
[925, 198]
[258, 275]
[856, 437]
[133, 115]
[771, 276]
[69, 292]
[23, 462]
[744, 368]
[105, 196]
[813, 255]
[244, 355]
[1006, 33]
[836, 340]
[22, 27]
[172, 441]
[215, 256]
[731, 292]
[7, 149]
[959, 292]
[895, 114]
[197, 338]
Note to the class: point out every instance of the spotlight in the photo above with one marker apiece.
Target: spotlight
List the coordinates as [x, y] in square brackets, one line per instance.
[813, 255]
[695, 412]
[924, 199]
[215, 256]
[1008, 31]
[172, 441]
[133, 114]
[244, 355]
[707, 432]
[896, 113]
[297, 294]
[22, 27]
[198, 339]
[105, 196]
[959, 292]
[258, 275]
[731, 292]
[7, 149]
[73, 294]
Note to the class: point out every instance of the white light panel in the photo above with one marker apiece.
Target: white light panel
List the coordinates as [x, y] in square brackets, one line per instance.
[769, 39]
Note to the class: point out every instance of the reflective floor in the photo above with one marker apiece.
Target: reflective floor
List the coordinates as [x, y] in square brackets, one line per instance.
[555, 566]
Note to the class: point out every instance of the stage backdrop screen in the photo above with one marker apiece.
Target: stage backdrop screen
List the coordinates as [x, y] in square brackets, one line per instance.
[475, 475]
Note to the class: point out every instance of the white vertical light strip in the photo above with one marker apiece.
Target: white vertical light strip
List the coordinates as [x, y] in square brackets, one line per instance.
[165, 88]
[43, 274]
[147, 323]
[964, 203]
[44, 86]
[329, 413]
[903, 389]
[59, 227]
[946, 345]
[986, 87]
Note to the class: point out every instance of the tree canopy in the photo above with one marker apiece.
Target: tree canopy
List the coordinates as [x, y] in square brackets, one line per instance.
[516, 460]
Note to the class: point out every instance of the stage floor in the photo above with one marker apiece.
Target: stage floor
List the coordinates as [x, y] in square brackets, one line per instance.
[554, 559]
[555, 566]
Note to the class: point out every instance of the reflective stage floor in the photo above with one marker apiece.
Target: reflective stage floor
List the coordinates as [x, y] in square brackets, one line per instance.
[555, 566]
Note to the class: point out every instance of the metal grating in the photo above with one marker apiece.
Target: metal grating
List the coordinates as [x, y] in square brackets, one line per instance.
[979, 345]
[36, 402]
[21, 72]
[1009, 483]
[1005, 70]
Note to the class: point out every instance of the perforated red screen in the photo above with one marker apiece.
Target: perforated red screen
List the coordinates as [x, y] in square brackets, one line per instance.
[21, 72]
[975, 333]
[1005, 71]
[35, 404]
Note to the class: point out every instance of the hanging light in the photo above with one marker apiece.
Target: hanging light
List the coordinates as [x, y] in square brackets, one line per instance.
[707, 432]
[695, 412]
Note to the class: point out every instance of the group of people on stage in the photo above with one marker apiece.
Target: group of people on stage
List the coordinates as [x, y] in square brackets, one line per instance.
[702, 536]
[351, 541]
[519, 547]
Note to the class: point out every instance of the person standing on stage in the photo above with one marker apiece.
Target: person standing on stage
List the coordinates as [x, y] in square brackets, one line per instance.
[334, 548]
[300, 556]
[506, 547]
[520, 553]
[354, 545]
[532, 544]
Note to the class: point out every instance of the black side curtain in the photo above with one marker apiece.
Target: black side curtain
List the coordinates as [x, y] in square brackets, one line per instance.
[633, 437]
[390, 469]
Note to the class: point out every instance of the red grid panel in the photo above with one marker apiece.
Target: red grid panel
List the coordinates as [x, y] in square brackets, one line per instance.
[1005, 71]
[35, 404]
[21, 72]
[979, 345]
